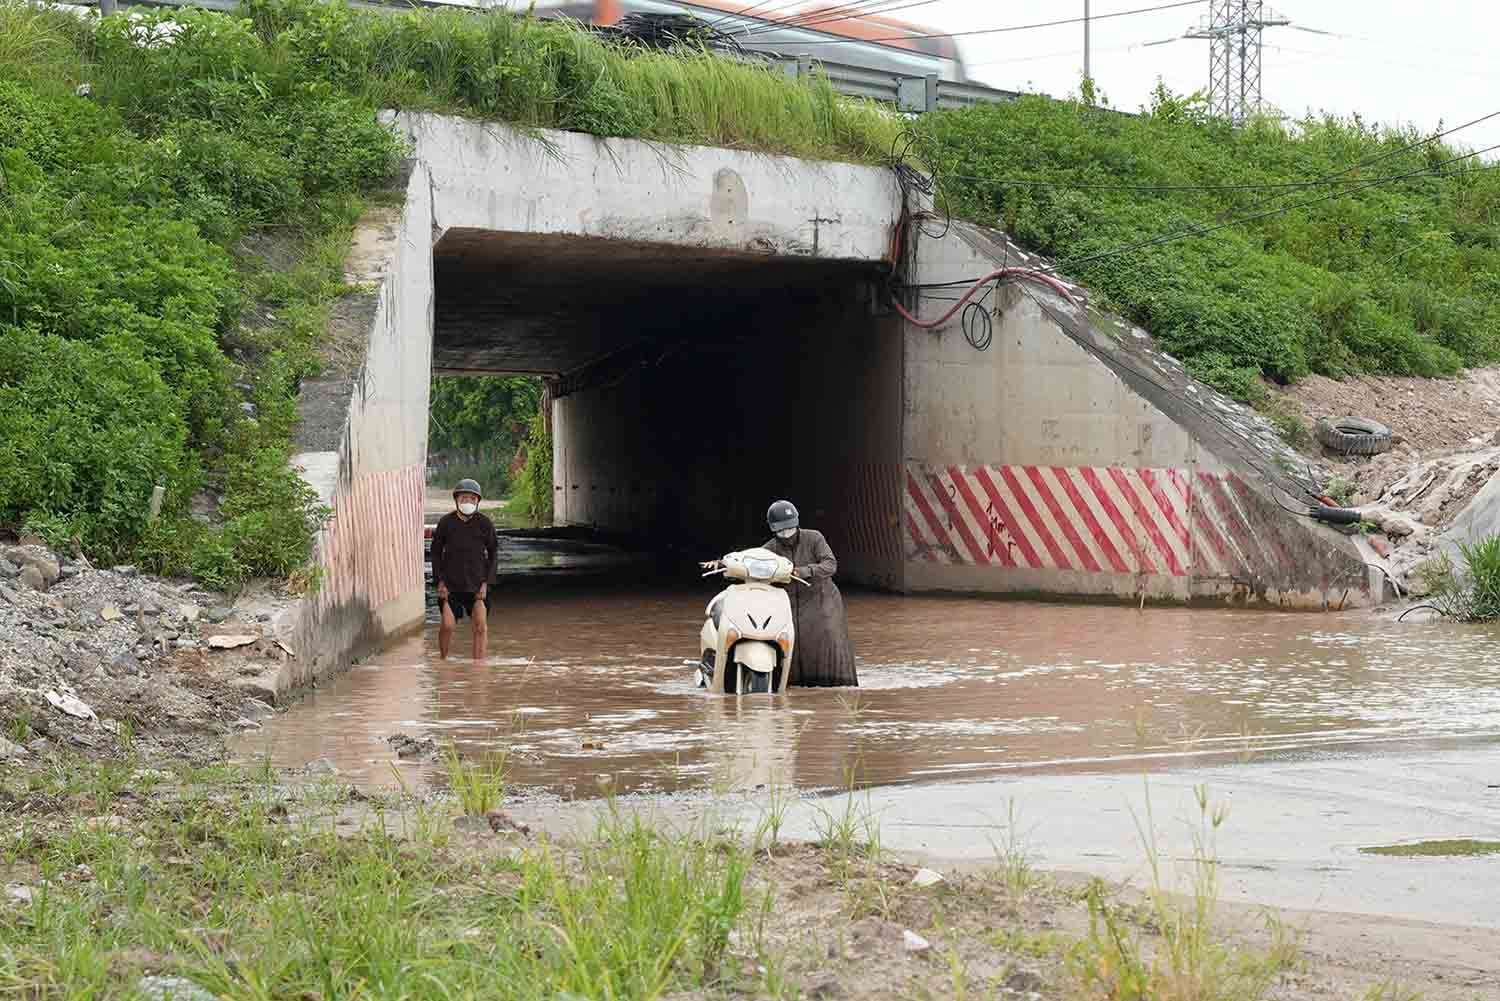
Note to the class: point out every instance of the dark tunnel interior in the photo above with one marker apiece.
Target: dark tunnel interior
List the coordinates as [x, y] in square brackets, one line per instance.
[692, 387]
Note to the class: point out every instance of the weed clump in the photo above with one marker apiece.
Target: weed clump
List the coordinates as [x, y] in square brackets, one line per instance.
[1470, 595]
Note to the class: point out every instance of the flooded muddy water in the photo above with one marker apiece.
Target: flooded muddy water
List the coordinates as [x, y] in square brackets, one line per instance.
[588, 679]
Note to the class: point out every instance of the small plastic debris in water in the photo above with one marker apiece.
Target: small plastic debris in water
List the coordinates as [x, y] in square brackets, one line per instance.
[593, 745]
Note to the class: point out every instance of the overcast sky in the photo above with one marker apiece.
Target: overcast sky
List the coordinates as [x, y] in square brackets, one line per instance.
[1401, 62]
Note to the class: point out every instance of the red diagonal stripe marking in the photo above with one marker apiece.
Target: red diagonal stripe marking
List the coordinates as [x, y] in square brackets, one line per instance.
[1228, 521]
[1227, 560]
[1112, 511]
[976, 551]
[1066, 524]
[1148, 521]
[939, 534]
[995, 546]
[1054, 548]
[1012, 524]
[1165, 505]
[923, 549]
[1272, 528]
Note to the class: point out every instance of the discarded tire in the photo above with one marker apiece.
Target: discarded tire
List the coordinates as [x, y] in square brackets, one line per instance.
[1354, 435]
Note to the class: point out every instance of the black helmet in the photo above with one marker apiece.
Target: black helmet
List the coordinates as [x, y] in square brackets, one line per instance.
[468, 487]
[782, 516]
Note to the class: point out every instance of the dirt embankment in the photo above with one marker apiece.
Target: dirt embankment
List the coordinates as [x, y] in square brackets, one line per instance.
[94, 658]
[1446, 448]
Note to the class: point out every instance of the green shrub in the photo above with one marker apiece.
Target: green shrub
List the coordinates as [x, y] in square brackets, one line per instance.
[1398, 278]
[124, 216]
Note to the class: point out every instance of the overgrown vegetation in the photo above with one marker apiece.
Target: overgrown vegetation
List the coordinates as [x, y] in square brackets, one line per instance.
[1399, 278]
[488, 414]
[533, 491]
[1470, 595]
[171, 235]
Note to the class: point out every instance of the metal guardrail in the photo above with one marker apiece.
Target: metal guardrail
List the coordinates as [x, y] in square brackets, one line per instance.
[908, 94]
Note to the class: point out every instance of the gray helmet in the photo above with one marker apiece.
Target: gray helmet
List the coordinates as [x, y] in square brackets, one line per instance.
[468, 487]
[783, 515]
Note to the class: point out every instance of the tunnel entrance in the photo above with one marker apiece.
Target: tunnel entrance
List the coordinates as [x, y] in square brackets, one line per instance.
[690, 387]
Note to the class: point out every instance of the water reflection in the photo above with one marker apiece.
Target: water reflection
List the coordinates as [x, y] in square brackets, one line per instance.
[587, 681]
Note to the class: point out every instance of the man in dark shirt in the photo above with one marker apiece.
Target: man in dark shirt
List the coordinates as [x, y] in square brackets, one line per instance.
[464, 547]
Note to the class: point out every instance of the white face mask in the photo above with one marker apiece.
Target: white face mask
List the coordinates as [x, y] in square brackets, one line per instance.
[786, 533]
[468, 507]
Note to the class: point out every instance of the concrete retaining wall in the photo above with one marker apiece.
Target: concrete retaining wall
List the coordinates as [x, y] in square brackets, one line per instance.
[373, 402]
[1070, 457]
[487, 176]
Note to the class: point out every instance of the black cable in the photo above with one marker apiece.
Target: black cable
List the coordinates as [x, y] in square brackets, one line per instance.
[1418, 608]
[831, 15]
[1014, 27]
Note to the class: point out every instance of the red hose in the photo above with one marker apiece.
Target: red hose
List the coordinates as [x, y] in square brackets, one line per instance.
[1030, 273]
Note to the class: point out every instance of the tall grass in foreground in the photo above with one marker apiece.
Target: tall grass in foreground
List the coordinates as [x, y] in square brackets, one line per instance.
[218, 884]
[1470, 595]
[1188, 958]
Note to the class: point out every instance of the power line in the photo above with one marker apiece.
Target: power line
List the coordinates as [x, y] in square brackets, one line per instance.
[996, 31]
[835, 14]
[832, 15]
[1066, 52]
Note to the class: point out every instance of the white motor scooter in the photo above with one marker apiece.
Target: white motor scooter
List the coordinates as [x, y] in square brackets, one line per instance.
[747, 638]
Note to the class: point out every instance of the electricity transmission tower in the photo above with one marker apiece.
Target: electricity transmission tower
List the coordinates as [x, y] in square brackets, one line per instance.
[1233, 30]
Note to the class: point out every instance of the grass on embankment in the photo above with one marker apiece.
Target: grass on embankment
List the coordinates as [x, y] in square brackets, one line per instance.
[171, 243]
[1400, 278]
[256, 889]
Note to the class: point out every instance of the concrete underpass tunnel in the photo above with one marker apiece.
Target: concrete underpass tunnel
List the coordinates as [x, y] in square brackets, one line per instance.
[692, 387]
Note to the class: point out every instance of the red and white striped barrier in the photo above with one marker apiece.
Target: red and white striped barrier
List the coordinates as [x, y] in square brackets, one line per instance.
[1097, 519]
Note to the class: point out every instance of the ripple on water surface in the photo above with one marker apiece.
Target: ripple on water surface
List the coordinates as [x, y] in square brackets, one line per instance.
[578, 687]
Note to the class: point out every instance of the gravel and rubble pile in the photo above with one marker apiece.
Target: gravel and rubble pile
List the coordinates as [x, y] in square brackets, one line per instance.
[85, 651]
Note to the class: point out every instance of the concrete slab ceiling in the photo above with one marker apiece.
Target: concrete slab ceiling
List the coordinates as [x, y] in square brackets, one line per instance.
[551, 304]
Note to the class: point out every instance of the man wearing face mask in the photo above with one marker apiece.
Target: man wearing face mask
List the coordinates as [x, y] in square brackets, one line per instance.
[464, 548]
[823, 656]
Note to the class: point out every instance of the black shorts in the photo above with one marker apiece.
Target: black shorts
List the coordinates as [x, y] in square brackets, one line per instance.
[463, 603]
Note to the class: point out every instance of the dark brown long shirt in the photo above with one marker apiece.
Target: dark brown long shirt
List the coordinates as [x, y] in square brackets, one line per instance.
[464, 552]
[822, 655]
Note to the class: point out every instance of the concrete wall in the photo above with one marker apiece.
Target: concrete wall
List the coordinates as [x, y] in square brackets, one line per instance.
[370, 550]
[1071, 458]
[488, 176]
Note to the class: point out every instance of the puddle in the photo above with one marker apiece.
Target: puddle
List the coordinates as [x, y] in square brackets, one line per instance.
[951, 688]
[1450, 848]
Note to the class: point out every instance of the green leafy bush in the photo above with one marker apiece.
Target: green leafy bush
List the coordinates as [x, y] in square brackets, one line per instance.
[1399, 278]
[130, 218]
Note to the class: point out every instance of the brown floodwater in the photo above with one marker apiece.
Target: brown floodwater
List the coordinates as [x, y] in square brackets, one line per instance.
[588, 679]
